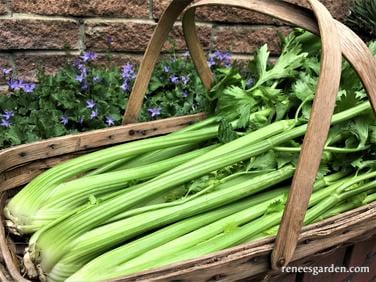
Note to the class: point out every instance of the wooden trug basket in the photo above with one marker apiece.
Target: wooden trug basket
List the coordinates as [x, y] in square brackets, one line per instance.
[20, 164]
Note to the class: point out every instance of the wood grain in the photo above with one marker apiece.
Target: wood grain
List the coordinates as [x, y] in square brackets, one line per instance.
[8, 257]
[314, 140]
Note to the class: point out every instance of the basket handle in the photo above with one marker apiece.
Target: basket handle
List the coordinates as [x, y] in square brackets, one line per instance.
[357, 53]
[159, 37]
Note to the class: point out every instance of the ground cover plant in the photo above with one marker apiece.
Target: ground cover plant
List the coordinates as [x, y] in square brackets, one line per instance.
[86, 95]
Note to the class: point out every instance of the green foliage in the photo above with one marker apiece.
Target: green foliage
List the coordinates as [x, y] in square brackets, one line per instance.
[85, 95]
[363, 18]
[226, 132]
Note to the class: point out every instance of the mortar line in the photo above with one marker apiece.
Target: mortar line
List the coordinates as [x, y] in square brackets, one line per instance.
[150, 9]
[82, 37]
[8, 7]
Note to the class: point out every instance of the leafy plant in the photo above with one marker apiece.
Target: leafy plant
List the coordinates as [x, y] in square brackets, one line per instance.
[85, 95]
[363, 18]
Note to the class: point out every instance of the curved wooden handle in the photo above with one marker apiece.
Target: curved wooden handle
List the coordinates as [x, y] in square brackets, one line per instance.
[149, 60]
[314, 140]
[355, 51]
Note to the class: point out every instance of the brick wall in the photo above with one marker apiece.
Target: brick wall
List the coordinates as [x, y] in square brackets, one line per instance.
[44, 33]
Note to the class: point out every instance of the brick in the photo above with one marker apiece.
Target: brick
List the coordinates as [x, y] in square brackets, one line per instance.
[118, 60]
[247, 40]
[133, 36]
[38, 34]
[338, 8]
[233, 15]
[4, 63]
[3, 8]
[129, 8]
[219, 14]
[27, 65]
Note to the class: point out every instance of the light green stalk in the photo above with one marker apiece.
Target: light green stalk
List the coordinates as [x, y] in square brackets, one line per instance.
[162, 256]
[26, 203]
[71, 195]
[158, 155]
[89, 219]
[55, 242]
[135, 248]
[98, 240]
[121, 227]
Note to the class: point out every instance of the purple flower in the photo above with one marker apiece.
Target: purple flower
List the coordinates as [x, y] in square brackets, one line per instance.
[185, 79]
[166, 69]
[83, 73]
[211, 62]
[64, 120]
[15, 84]
[185, 94]
[28, 87]
[220, 57]
[174, 79]
[124, 86]
[154, 112]
[85, 86]
[88, 56]
[127, 72]
[77, 62]
[6, 71]
[96, 78]
[90, 104]
[79, 65]
[5, 123]
[81, 77]
[8, 115]
[81, 120]
[94, 114]
[250, 82]
[109, 121]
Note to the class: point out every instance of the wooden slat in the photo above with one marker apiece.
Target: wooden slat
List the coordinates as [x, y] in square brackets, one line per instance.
[22, 175]
[7, 255]
[336, 258]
